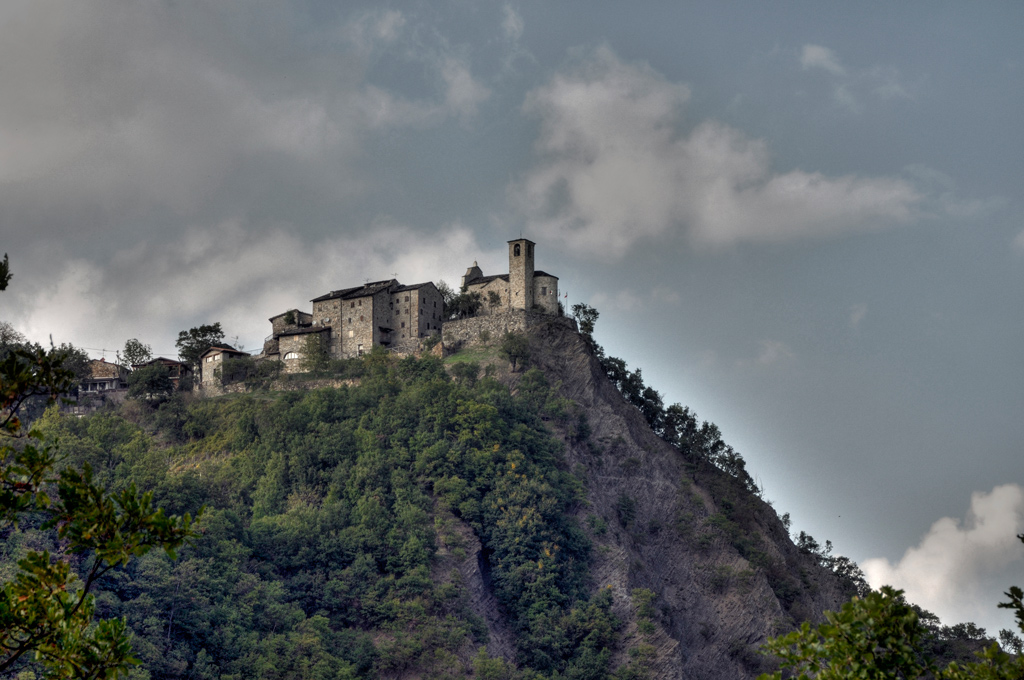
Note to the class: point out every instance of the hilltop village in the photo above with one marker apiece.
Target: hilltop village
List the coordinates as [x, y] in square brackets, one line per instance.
[401, 318]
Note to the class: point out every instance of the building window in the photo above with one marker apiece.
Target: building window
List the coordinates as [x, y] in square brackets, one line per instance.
[406, 298]
[543, 290]
[362, 318]
[351, 304]
[351, 333]
[403, 326]
[360, 303]
[515, 250]
[359, 349]
[291, 355]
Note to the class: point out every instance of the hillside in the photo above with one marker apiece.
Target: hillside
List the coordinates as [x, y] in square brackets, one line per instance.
[408, 525]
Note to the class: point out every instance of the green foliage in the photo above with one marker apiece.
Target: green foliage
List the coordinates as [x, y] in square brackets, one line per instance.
[317, 550]
[881, 636]
[152, 383]
[464, 305]
[135, 353]
[875, 637]
[194, 342]
[47, 609]
[466, 372]
[515, 347]
[5, 273]
[586, 317]
[315, 354]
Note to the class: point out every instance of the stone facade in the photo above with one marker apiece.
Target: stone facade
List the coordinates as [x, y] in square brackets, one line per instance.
[489, 329]
[351, 321]
[211, 365]
[292, 345]
[522, 288]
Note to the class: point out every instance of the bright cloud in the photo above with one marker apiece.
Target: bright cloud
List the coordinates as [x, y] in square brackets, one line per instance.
[960, 568]
[219, 274]
[613, 169]
[849, 86]
[816, 56]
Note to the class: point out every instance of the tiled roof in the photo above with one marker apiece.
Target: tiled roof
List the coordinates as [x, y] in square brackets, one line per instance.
[101, 369]
[357, 292]
[481, 280]
[540, 273]
[224, 349]
[414, 286]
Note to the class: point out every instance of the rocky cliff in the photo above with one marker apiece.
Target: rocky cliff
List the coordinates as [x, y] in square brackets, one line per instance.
[702, 571]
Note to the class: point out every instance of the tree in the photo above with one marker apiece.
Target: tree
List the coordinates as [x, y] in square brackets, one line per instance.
[493, 299]
[464, 305]
[9, 336]
[586, 317]
[46, 610]
[447, 294]
[152, 383]
[135, 353]
[73, 359]
[5, 273]
[194, 342]
[881, 636]
[315, 356]
[515, 347]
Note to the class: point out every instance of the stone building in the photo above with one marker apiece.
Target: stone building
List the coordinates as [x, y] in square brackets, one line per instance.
[351, 321]
[522, 288]
[211, 364]
[104, 377]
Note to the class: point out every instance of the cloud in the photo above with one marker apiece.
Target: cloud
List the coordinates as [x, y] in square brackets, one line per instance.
[960, 568]
[857, 314]
[119, 116]
[463, 94]
[512, 24]
[773, 352]
[219, 273]
[850, 86]
[816, 56]
[612, 169]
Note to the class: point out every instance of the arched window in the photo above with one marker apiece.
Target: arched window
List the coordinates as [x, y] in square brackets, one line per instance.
[515, 250]
[291, 355]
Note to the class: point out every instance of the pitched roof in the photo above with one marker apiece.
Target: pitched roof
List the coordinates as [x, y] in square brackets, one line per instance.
[365, 290]
[414, 286]
[481, 280]
[224, 349]
[540, 273]
[101, 369]
[163, 360]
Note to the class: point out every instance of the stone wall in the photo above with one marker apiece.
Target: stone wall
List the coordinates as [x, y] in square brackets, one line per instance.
[466, 332]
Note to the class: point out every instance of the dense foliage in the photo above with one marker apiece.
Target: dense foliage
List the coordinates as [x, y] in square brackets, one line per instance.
[46, 608]
[329, 515]
[882, 636]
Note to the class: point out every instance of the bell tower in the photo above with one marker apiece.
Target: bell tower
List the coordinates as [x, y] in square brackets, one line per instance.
[520, 274]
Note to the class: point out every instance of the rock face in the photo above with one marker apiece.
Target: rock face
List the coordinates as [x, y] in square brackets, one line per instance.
[724, 573]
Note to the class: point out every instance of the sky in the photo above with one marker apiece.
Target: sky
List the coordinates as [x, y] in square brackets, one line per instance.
[801, 219]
